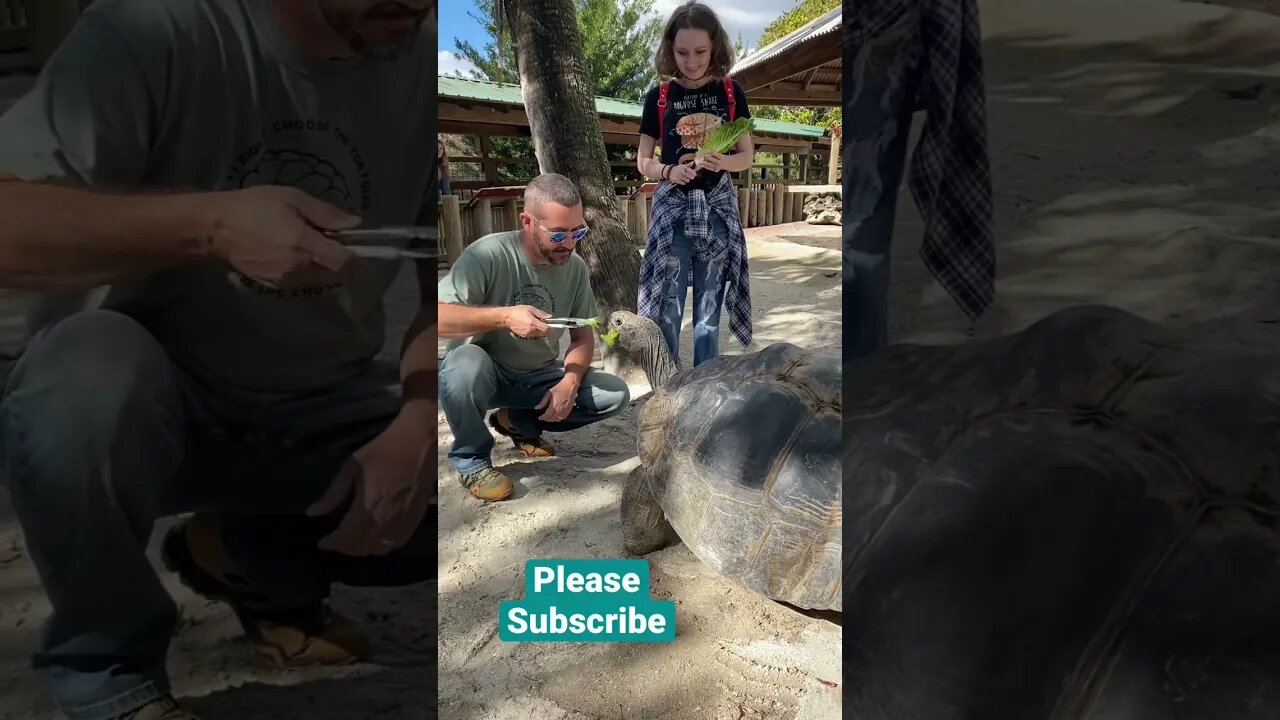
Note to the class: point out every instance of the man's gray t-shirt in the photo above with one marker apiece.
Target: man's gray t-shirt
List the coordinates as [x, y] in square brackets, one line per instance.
[495, 271]
[210, 94]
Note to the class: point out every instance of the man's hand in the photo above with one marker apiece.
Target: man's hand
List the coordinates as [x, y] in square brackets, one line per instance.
[526, 321]
[388, 492]
[275, 235]
[559, 400]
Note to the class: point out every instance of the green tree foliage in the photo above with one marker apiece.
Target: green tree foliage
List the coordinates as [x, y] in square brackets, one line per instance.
[795, 18]
[618, 38]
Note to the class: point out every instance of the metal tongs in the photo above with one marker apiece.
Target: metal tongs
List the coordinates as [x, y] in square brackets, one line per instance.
[571, 323]
[388, 242]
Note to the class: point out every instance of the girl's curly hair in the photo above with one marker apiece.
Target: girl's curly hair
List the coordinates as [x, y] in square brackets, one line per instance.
[694, 15]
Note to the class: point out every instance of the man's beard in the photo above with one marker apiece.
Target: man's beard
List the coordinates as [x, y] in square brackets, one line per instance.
[555, 257]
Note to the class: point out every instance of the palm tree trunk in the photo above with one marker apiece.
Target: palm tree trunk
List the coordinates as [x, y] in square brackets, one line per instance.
[560, 100]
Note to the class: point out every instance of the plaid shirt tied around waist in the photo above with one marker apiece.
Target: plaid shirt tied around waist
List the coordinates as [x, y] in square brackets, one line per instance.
[950, 168]
[672, 204]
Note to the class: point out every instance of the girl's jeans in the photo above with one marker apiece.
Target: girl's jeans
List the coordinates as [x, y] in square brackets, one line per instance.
[708, 293]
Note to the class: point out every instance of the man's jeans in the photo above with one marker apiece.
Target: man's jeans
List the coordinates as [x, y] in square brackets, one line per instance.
[471, 384]
[881, 82]
[102, 434]
[708, 293]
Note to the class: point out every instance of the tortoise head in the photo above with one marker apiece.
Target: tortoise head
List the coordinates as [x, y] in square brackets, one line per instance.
[640, 339]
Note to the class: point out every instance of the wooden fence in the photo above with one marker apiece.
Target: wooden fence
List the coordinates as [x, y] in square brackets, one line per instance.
[498, 209]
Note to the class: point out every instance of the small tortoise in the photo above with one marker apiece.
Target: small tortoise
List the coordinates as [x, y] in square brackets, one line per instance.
[1078, 520]
[740, 459]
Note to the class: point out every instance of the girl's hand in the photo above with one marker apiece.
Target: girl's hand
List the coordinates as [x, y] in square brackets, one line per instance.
[712, 162]
[682, 173]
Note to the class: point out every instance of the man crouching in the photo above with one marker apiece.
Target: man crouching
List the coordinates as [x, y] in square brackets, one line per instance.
[503, 356]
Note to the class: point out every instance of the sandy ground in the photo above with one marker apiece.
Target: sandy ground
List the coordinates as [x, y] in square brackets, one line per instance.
[1134, 152]
[735, 654]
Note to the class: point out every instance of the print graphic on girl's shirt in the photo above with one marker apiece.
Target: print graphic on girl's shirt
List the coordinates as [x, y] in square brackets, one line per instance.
[691, 114]
[692, 129]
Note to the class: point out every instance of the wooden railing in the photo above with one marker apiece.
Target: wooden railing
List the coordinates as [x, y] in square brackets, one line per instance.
[464, 220]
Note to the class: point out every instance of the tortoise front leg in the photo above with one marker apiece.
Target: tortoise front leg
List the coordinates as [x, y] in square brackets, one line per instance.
[644, 525]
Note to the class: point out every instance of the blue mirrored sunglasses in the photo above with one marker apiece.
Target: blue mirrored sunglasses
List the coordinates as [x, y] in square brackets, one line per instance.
[559, 236]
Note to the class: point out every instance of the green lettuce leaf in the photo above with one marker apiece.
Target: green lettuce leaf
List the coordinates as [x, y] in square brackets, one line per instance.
[724, 137]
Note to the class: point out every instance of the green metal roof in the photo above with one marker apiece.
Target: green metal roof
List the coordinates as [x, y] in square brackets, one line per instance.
[449, 86]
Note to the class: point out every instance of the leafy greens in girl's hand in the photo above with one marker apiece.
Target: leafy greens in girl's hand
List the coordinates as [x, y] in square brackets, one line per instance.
[724, 137]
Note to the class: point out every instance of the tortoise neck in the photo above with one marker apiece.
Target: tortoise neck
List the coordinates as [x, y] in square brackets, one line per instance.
[657, 362]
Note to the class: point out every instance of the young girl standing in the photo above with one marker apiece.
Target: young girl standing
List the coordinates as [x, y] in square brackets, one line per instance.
[695, 234]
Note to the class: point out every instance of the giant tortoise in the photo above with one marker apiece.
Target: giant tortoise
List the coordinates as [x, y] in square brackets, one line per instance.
[740, 459]
[1075, 521]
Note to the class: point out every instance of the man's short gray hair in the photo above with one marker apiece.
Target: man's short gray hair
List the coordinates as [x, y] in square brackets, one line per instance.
[550, 187]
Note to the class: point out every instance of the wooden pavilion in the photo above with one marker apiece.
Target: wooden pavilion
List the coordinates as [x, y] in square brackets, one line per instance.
[485, 110]
[803, 69]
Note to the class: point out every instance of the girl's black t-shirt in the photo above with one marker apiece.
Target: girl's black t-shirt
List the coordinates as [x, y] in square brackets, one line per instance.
[690, 115]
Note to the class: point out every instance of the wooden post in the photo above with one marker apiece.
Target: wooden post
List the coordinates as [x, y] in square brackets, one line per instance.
[786, 166]
[779, 203]
[454, 243]
[742, 204]
[788, 207]
[511, 214]
[482, 217]
[748, 206]
[642, 215]
[833, 158]
[768, 207]
[487, 164]
[804, 169]
[761, 217]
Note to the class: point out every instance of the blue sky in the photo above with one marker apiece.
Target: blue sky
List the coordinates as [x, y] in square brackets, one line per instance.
[748, 16]
[457, 24]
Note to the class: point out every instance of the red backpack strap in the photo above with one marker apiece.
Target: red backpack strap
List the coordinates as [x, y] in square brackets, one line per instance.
[662, 109]
[728, 88]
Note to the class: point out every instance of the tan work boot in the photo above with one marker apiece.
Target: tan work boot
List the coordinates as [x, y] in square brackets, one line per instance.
[500, 421]
[162, 708]
[285, 637]
[487, 484]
